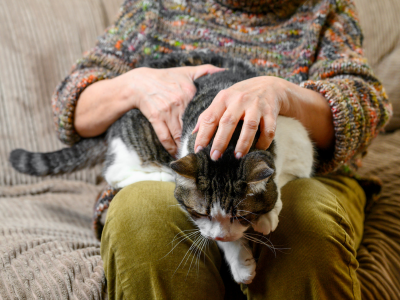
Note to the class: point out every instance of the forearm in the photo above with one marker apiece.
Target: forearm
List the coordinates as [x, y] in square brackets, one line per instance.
[99, 106]
[313, 111]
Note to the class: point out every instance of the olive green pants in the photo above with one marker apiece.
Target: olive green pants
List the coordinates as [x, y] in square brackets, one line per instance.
[320, 228]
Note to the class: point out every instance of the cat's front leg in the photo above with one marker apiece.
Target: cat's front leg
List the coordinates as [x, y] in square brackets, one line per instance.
[268, 222]
[240, 259]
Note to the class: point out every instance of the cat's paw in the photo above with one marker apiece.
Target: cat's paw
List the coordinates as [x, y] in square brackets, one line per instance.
[267, 223]
[244, 271]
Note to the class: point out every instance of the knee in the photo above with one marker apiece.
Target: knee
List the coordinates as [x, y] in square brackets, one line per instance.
[141, 205]
[313, 217]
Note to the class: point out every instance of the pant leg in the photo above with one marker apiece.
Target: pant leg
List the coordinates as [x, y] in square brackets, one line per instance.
[322, 223]
[141, 222]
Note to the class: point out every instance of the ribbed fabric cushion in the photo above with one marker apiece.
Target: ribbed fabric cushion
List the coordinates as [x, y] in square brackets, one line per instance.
[39, 42]
[47, 248]
[379, 252]
[380, 21]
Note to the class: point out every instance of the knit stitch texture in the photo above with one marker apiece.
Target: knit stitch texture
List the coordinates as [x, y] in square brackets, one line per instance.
[315, 44]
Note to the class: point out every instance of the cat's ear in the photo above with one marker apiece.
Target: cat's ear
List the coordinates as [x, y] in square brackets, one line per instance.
[186, 166]
[260, 172]
[256, 169]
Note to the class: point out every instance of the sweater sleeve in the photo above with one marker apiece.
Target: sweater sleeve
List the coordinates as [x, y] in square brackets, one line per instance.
[115, 53]
[359, 104]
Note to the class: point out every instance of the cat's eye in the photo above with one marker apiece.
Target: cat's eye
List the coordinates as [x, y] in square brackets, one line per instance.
[199, 215]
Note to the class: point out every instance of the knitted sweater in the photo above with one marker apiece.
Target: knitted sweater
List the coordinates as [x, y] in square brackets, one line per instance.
[314, 43]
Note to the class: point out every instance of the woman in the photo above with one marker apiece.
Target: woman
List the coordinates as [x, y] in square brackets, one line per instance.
[311, 57]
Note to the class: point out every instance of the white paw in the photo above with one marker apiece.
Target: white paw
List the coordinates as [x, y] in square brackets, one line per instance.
[267, 223]
[244, 271]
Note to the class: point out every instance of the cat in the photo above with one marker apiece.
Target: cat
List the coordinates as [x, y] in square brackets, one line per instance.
[224, 198]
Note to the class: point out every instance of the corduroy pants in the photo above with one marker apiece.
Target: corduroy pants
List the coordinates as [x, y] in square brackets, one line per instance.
[320, 228]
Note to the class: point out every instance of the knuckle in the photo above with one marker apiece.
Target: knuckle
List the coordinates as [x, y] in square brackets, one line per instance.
[251, 124]
[270, 133]
[164, 138]
[176, 135]
[154, 115]
[189, 86]
[177, 100]
[242, 97]
[222, 95]
[228, 119]
[209, 119]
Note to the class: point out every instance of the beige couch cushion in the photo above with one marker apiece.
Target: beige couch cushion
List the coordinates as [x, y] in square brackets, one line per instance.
[39, 42]
[380, 21]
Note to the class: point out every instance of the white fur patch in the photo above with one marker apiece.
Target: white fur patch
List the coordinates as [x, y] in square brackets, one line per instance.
[183, 151]
[185, 182]
[240, 259]
[220, 226]
[127, 168]
[258, 187]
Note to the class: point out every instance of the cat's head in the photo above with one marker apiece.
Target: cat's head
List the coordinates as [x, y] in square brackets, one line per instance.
[226, 196]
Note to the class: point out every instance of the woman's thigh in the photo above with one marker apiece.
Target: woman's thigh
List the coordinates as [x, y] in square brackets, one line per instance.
[144, 223]
[320, 228]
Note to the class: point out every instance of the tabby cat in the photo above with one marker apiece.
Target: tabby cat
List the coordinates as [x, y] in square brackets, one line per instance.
[224, 197]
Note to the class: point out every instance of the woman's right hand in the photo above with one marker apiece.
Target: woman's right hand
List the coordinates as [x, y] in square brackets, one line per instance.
[160, 94]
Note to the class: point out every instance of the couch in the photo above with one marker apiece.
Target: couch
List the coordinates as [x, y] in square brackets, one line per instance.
[47, 248]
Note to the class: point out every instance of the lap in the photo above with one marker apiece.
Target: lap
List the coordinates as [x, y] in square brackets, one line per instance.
[320, 227]
[321, 219]
[143, 225]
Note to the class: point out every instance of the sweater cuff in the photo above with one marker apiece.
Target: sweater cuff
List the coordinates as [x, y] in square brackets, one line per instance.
[66, 96]
[347, 121]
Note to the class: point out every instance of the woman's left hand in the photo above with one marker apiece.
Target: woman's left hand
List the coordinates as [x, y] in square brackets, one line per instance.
[257, 101]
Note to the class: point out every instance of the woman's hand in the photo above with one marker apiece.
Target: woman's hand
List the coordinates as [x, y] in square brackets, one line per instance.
[258, 102]
[160, 94]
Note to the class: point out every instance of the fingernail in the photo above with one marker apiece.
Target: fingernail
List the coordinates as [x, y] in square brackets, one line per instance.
[215, 155]
[238, 155]
[199, 148]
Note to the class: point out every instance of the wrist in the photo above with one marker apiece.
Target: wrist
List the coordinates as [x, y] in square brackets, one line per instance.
[290, 101]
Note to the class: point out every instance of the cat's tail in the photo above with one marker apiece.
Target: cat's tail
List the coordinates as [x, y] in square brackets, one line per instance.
[85, 153]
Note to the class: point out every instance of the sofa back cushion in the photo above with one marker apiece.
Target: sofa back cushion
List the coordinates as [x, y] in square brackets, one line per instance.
[380, 22]
[39, 42]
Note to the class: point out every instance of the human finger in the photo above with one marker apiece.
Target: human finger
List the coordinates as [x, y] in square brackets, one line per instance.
[175, 128]
[165, 137]
[267, 131]
[226, 128]
[208, 123]
[196, 72]
[248, 132]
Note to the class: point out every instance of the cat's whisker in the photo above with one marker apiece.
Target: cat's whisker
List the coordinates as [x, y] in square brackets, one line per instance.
[184, 235]
[202, 246]
[274, 246]
[240, 202]
[263, 236]
[247, 220]
[253, 239]
[248, 212]
[193, 234]
[189, 250]
[244, 246]
[193, 256]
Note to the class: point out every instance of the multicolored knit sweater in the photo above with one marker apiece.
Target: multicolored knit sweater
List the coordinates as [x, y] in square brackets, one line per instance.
[313, 43]
[316, 44]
